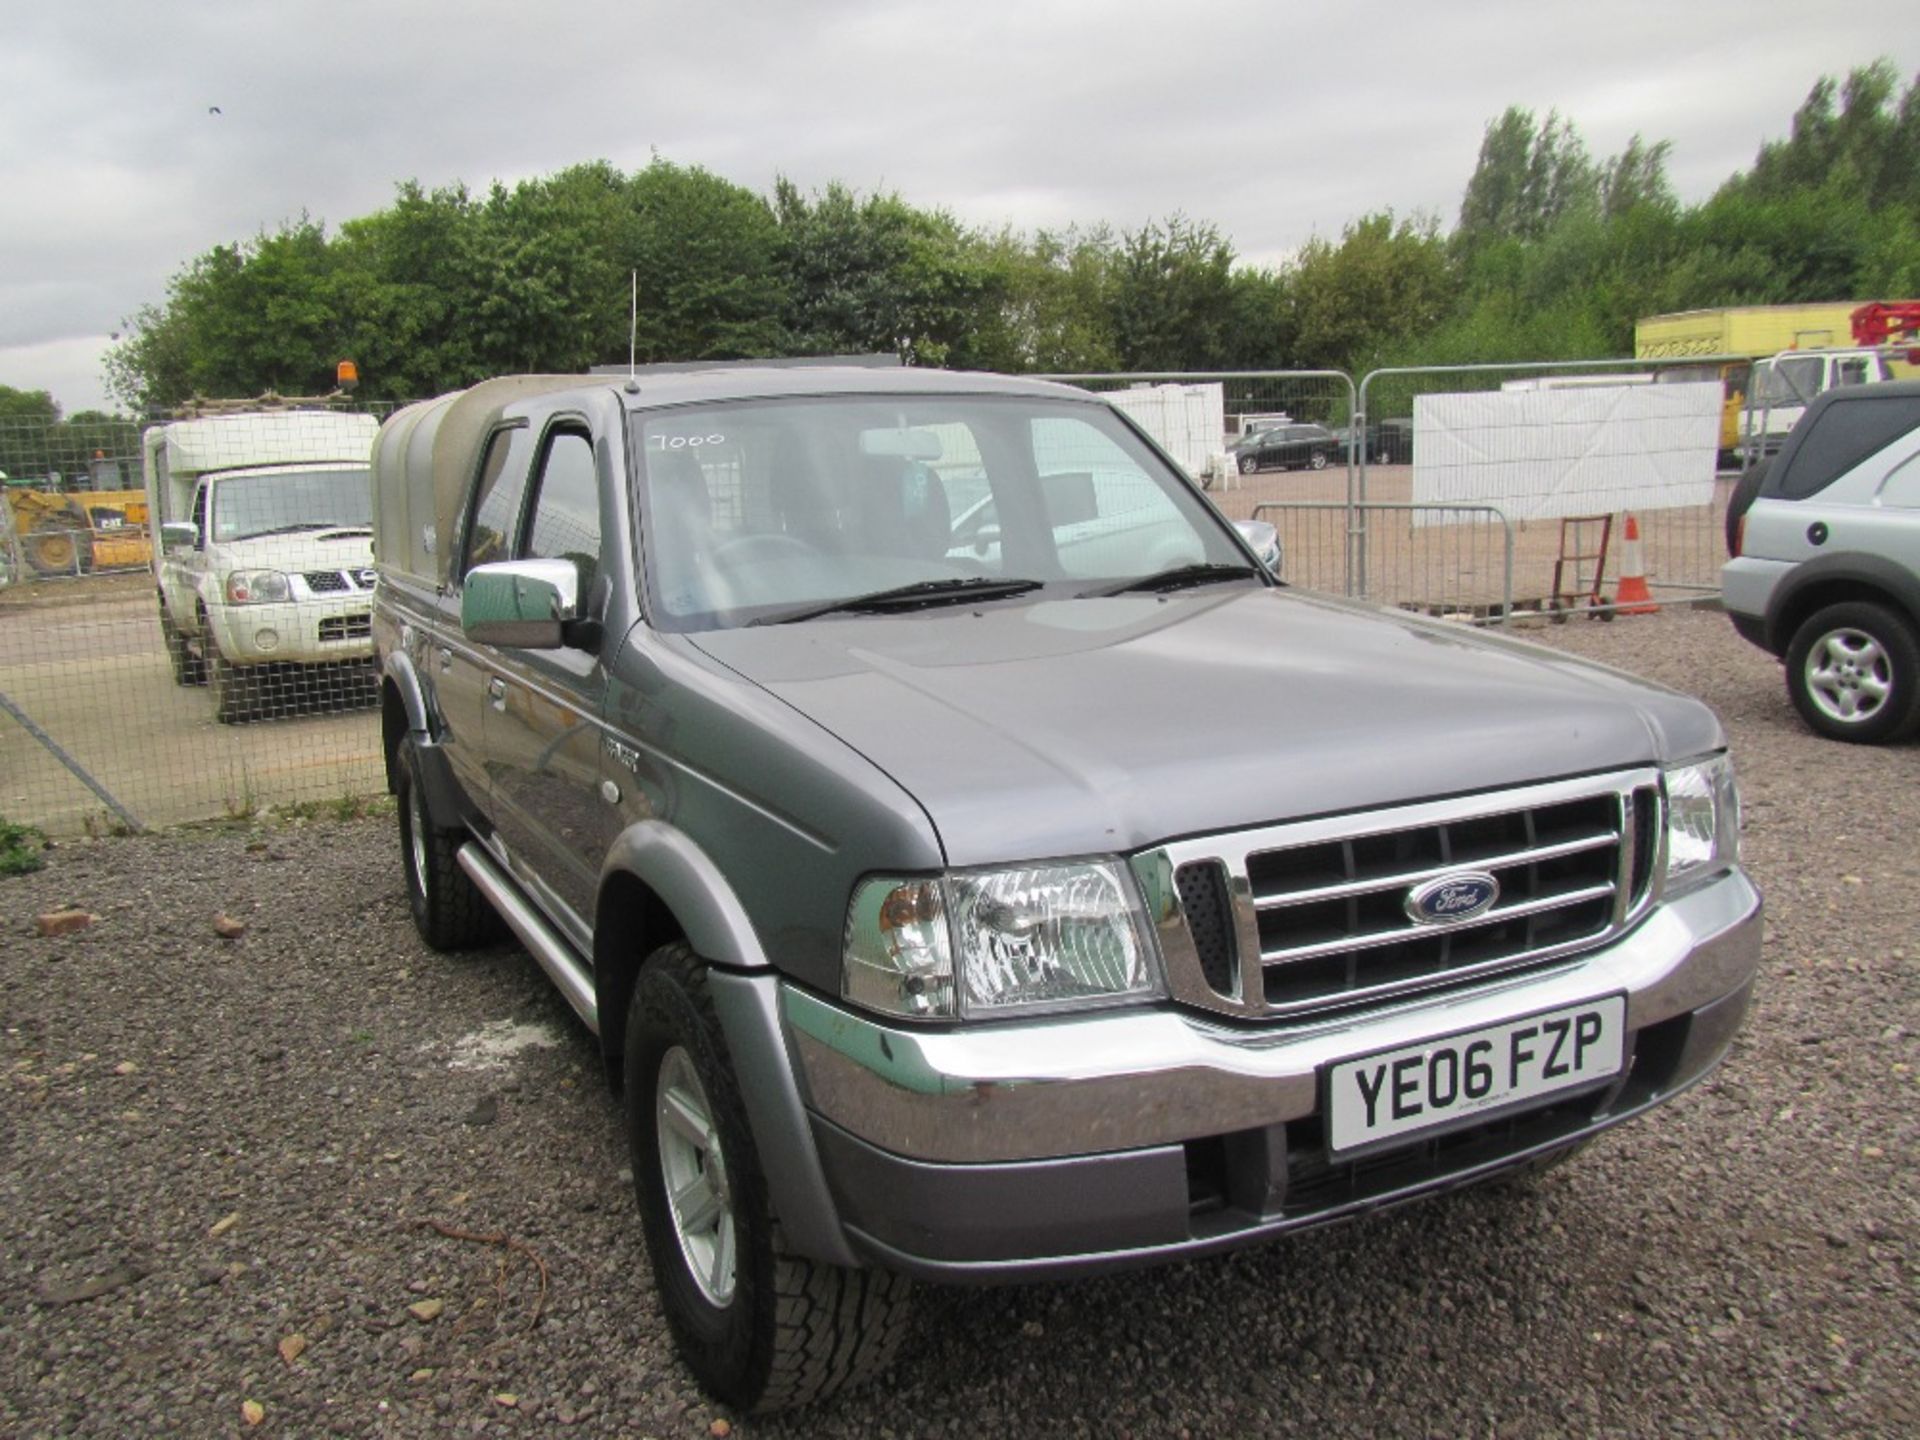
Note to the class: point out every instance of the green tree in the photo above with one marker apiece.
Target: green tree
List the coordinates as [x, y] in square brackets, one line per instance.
[708, 254]
[1527, 179]
[409, 277]
[1171, 300]
[27, 421]
[1043, 304]
[1385, 280]
[875, 275]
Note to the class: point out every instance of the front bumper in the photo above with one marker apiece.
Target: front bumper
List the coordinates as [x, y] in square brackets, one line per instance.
[301, 632]
[1105, 1140]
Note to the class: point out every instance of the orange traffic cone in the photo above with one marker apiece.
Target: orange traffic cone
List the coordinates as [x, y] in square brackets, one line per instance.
[1634, 597]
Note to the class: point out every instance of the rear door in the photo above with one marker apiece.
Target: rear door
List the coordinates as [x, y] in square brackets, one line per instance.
[463, 672]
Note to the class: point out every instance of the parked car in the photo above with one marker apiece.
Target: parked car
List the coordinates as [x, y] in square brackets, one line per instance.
[1285, 447]
[1391, 442]
[991, 907]
[1825, 567]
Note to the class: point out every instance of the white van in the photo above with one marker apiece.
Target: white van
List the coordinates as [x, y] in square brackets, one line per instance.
[265, 553]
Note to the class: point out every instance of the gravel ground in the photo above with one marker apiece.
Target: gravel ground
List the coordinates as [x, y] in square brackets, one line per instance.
[222, 1158]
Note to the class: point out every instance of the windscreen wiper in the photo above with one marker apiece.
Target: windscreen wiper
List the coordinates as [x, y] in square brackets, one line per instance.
[909, 597]
[1181, 577]
[295, 529]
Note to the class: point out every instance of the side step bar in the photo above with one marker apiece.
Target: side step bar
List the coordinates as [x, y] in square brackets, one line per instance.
[555, 956]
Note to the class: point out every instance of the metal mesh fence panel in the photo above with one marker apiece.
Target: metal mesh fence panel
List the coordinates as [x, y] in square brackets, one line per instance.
[194, 647]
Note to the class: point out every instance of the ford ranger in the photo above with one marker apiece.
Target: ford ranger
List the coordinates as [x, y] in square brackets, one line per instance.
[976, 865]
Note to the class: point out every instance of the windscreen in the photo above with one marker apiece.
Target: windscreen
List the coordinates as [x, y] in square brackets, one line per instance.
[751, 509]
[283, 501]
[1789, 380]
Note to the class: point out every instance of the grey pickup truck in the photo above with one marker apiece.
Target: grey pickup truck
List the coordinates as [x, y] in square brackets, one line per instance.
[975, 864]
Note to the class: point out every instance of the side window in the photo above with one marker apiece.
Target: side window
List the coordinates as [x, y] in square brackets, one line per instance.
[566, 507]
[200, 512]
[1848, 431]
[1850, 372]
[497, 496]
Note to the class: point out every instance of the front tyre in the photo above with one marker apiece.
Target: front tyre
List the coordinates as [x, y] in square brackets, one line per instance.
[1853, 673]
[762, 1328]
[235, 688]
[1249, 464]
[448, 910]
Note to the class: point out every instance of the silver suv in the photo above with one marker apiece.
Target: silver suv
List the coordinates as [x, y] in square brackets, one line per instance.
[1826, 562]
[990, 900]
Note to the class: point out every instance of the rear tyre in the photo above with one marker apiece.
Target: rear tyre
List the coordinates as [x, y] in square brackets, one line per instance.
[1853, 673]
[762, 1328]
[1318, 460]
[448, 910]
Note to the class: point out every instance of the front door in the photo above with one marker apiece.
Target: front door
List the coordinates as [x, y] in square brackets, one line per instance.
[543, 722]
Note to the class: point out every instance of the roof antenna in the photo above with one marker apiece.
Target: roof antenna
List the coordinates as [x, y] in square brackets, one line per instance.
[633, 335]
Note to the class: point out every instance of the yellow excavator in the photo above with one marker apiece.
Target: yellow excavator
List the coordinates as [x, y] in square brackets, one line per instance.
[73, 532]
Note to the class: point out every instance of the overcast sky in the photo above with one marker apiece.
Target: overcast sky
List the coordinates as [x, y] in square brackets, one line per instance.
[1276, 121]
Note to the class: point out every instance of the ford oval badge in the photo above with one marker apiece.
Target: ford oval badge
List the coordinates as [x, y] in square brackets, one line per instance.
[1463, 895]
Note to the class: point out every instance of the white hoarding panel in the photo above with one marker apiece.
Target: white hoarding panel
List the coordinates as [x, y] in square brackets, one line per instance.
[1186, 420]
[1589, 450]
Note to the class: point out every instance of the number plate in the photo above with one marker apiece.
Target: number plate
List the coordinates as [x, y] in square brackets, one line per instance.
[1398, 1092]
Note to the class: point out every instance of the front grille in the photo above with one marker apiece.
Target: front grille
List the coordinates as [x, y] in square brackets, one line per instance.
[337, 582]
[1312, 916]
[346, 627]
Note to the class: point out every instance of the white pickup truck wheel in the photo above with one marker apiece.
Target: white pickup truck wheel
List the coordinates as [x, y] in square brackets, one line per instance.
[235, 688]
[762, 1328]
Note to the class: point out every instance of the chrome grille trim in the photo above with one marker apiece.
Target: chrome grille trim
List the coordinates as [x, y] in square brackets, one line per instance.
[1500, 836]
[1375, 939]
[1415, 877]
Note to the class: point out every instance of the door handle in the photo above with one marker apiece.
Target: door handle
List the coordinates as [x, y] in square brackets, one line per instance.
[497, 692]
[446, 659]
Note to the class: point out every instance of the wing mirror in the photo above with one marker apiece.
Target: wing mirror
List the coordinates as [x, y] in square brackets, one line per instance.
[179, 535]
[524, 604]
[1263, 540]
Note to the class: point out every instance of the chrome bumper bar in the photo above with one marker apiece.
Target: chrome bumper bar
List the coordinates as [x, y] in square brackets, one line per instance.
[1124, 1080]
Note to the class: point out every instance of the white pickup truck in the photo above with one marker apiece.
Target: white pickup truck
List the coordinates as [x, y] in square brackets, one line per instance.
[265, 546]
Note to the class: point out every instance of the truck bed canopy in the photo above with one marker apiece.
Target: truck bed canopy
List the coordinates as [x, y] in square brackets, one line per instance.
[423, 462]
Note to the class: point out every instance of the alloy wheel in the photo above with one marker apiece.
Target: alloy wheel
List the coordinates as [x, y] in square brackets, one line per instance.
[1848, 675]
[695, 1173]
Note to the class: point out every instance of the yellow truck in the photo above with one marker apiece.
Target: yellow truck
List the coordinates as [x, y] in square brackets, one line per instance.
[1678, 344]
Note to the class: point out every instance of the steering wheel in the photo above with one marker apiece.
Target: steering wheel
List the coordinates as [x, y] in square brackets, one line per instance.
[769, 546]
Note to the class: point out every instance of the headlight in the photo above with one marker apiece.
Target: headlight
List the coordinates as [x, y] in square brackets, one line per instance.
[257, 587]
[994, 942]
[1703, 821]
